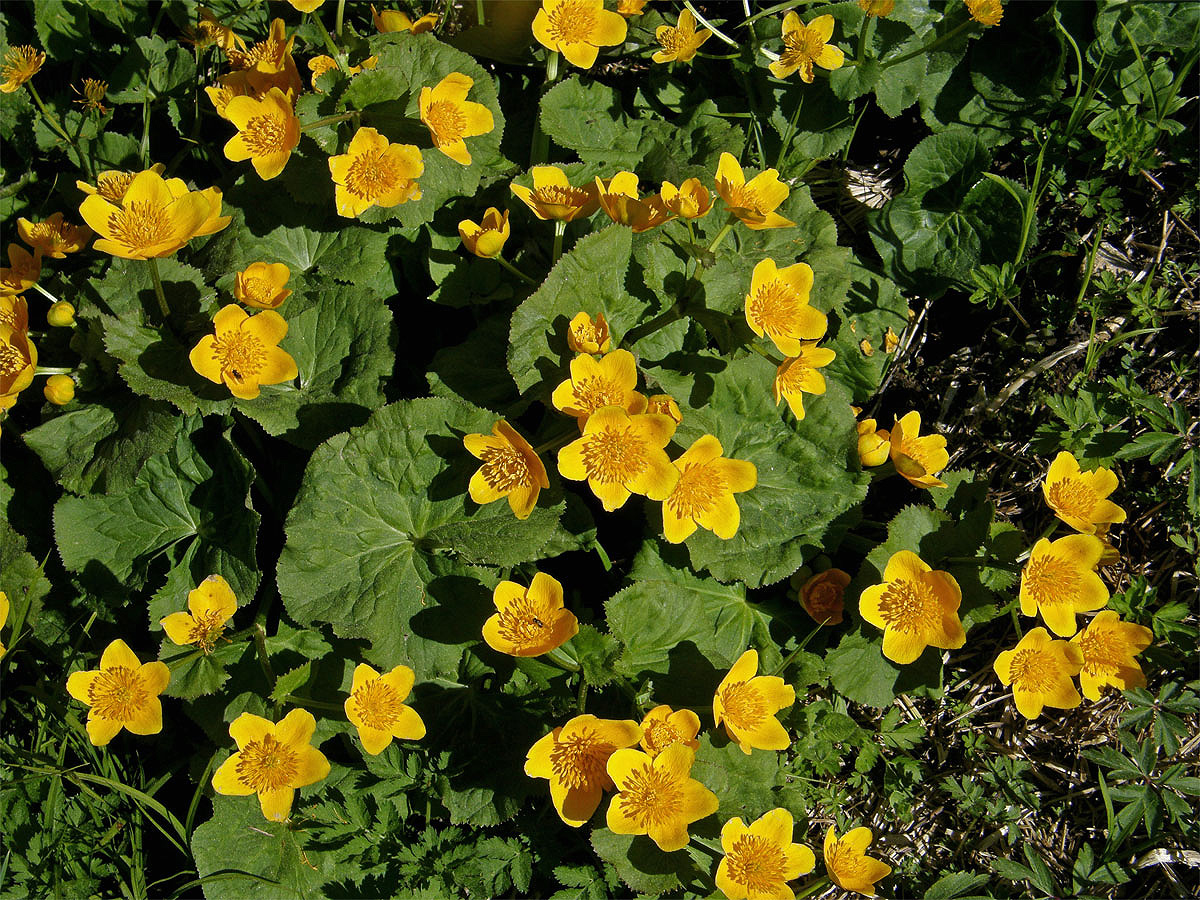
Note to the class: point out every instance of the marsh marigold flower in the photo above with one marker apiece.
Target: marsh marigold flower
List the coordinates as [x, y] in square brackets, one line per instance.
[691, 200]
[657, 795]
[798, 376]
[92, 95]
[375, 172]
[665, 405]
[268, 63]
[244, 353]
[268, 132]
[679, 44]
[59, 389]
[1040, 671]
[609, 381]
[574, 757]
[53, 237]
[261, 285]
[663, 726]
[619, 455]
[1109, 646]
[451, 117]
[778, 306]
[305, 6]
[210, 606]
[391, 20]
[112, 184]
[879, 8]
[18, 362]
[1080, 498]
[985, 12]
[916, 606]
[753, 202]
[14, 312]
[529, 621]
[122, 693]
[588, 335]
[874, 444]
[1060, 580]
[761, 859]
[61, 315]
[553, 197]
[319, 65]
[272, 760]
[629, 8]
[510, 469]
[619, 199]
[209, 30]
[377, 709]
[22, 272]
[848, 865]
[917, 458]
[578, 29]
[746, 703]
[703, 496]
[20, 64]
[823, 596]
[804, 45]
[486, 239]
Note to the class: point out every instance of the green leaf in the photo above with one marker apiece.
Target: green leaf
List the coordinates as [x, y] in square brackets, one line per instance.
[21, 578]
[596, 653]
[195, 673]
[954, 884]
[873, 305]
[860, 673]
[744, 785]
[587, 117]
[291, 682]
[641, 865]
[63, 29]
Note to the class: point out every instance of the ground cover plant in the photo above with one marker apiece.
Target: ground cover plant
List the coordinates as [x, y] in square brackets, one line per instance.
[585, 449]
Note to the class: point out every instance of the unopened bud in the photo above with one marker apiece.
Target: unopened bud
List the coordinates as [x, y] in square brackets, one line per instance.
[59, 389]
[61, 315]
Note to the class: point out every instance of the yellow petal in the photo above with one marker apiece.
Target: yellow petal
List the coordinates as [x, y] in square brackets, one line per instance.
[276, 804]
[311, 766]
[226, 781]
[248, 727]
[101, 731]
[296, 728]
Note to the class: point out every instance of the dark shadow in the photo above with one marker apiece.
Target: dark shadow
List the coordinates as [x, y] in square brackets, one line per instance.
[455, 476]
[690, 679]
[462, 606]
[701, 368]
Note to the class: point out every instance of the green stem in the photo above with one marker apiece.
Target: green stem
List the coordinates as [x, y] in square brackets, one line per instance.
[704, 23]
[791, 131]
[767, 355]
[51, 370]
[662, 320]
[560, 228]
[158, 289]
[791, 656]
[329, 120]
[557, 441]
[887, 64]
[315, 704]
[339, 18]
[1090, 361]
[561, 660]
[583, 691]
[480, 17]
[705, 844]
[260, 647]
[504, 262]
[818, 885]
[57, 128]
[185, 659]
[716, 242]
[863, 36]
[45, 293]
[329, 44]
[771, 10]
[539, 149]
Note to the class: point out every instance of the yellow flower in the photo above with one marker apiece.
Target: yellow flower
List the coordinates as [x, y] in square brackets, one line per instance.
[1079, 498]
[664, 405]
[59, 389]
[272, 760]
[268, 131]
[657, 795]
[1060, 580]
[620, 455]
[879, 8]
[848, 865]
[574, 758]
[61, 315]
[985, 12]
[577, 29]
[747, 704]
[20, 64]
[552, 197]
[679, 44]
[210, 606]
[14, 312]
[703, 496]
[918, 459]
[393, 20]
[778, 306]
[804, 45]
[488, 237]
[112, 184]
[663, 727]
[3, 616]
[587, 336]
[529, 621]
[122, 693]
[374, 172]
[874, 444]
[451, 117]
[305, 6]
[154, 218]
[261, 285]
[1040, 671]
[18, 361]
[619, 198]
[377, 709]
[510, 468]
[798, 376]
[244, 352]
[53, 237]
[92, 95]
[23, 270]
[268, 64]
[916, 606]
[760, 859]
[822, 596]
[609, 381]
[209, 30]
[1109, 646]
[691, 200]
[629, 8]
[754, 202]
[228, 88]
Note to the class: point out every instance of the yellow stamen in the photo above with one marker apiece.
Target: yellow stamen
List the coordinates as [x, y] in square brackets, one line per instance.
[266, 765]
[378, 704]
[910, 606]
[578, 760]
[139, 225]
[744, 708]
[117, 694]
[650, 796]
[1035, 671]
[614, 455]
[572, 22]
[756, 863]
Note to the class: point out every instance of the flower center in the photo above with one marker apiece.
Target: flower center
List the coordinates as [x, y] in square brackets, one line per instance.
[909, 606]
[371, 175]
[12, 360]
[112, 186]
[572, 22]
[1073, 497]
[578, 760]
[593, 392]
[266, 56]
[265, 134]
[557, 195]
[614, 455]
[824, 599]
[919, 452]
[258, 289]
[446, 121]
[844, 862]
[672, 41]
[756, 863]
[140, 225]
[206, 628]
[378, 704]
[793, 374]
[505, 468]
[650, 796]
[697, 489]
[1051, 580]
[774, 306]
[266, 765]
[21, 64]
[659, 734]
[802, 45]
[585, 333]
[240, 354]
[524, 623]
[117, 694]
[1103, 652]
[48, 236]
[743, 705]
[742, 196]
[1034, 670]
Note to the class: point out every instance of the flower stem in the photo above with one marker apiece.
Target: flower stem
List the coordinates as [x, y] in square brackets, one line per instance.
[329, 44]
[937, 42]
[767, 355]
[583, 689]
[504, 262]
[716, 242]
[820, 884]
[329, 120]
[45, 293]
[560, 228]
[704, 23]
[791, 656]
[556, 441]
[260, 647]
[57, 128]
[339, 18]
[560, 659]
[539, 148]
[864, 34]
[315, 704]
[158, 289]
[51, 370]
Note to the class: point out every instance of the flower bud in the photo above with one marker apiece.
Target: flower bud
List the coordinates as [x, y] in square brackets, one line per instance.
[59, 389]
[874, 445]
[61, 315]
[822, 596]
